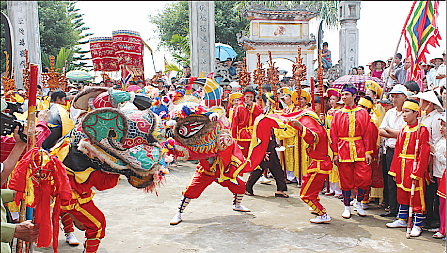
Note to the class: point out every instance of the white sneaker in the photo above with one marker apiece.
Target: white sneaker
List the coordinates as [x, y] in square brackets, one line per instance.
[416, 231]
[264, 180]
[360, 210]
[177, 219]
[71, 239]
[347, 213]
[353, 202]
[438, 235]
[325, 218]
[240, 208]
[397, 224]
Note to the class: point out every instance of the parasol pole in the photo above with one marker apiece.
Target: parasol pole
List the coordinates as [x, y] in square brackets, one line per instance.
[31, 141]
[397, 47]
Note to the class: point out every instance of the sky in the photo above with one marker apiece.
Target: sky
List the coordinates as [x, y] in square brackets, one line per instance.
[379, 27]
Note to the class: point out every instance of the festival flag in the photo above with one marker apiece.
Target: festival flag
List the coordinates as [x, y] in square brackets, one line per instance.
[421, 30]
[167, 64]
[126, 76]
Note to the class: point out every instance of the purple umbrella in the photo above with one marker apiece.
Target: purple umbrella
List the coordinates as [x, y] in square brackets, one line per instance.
[356, 80]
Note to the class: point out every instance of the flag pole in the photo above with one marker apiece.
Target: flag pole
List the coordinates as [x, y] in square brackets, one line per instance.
[397, 47]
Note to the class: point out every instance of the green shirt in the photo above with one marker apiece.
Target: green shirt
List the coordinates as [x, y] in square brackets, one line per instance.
[7, 228]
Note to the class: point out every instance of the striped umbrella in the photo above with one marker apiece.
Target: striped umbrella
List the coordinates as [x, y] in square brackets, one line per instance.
[356, 80]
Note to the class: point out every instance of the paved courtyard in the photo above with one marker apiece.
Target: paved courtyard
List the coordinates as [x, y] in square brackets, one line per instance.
[139, 222]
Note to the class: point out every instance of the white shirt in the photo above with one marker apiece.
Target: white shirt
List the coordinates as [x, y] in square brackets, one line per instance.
[439, 162]
[433, 123]
[431, 79]
[441, 70]
[390, 82]
[394, 120]
[74, 113]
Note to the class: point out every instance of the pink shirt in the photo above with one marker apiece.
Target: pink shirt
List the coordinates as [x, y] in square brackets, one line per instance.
[377, 74]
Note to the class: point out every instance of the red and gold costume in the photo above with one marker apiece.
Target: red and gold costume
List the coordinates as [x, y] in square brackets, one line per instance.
[350, 130]
[333, 175]
[315, 135]
[242, 124]
[224, 172]
[402, 165]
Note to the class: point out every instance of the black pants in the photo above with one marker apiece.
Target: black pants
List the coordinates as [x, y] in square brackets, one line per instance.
[431, 204]
[392, 188]
[386, 196]
[275, 168]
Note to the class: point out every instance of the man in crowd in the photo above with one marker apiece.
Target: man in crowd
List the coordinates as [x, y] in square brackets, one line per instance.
[244, 116]
[326, 58]
[400, 74]
[186, 71]
[393, 66]
[352, 150]
[440, 71]
[391, 124]
[431, 119]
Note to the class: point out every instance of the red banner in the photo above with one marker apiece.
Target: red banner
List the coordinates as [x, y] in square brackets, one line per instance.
[103, 54]
[129, 49]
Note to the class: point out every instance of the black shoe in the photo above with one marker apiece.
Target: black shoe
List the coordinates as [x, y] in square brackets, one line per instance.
[388, 214]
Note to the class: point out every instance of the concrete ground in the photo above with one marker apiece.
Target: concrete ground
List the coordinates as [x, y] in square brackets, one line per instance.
[139, 222]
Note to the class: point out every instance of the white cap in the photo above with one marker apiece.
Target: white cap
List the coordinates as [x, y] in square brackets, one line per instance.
[399, 89]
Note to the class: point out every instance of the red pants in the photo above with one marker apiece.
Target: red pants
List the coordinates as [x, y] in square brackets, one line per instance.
[200, 181]
[313, 183]
[94, 222]
[354, 174]
[66, 221]
[92, 218]
[403, 198]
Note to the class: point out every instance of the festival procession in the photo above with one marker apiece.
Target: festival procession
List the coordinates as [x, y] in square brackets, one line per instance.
[103, 151]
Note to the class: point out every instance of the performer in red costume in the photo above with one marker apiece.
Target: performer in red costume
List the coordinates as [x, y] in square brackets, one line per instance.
[350, 129]
[85, 211]
[244, 116]
[314, 133]
[403, 171]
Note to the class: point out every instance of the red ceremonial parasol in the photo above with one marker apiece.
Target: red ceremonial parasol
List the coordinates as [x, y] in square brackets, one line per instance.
[357, 80]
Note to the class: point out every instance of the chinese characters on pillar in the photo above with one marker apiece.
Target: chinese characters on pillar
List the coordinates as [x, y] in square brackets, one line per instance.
[21, 21]
[203, 33]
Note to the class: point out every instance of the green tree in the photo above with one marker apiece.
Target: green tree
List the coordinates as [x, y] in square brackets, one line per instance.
[173, 23]
[173, 27]
[60, 26]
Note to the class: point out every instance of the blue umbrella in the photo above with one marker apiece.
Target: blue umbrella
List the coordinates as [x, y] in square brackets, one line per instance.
[224, 52]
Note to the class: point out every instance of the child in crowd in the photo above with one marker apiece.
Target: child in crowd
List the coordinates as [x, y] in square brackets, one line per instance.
[439, 163]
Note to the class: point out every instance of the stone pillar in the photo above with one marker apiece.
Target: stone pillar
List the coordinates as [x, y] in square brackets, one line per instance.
[25, 25]
[202, 37]
[349, 13]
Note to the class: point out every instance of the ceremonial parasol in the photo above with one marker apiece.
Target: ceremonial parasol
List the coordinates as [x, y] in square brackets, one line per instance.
[133, 88]
[79, 75]
[224, 51]
[356, 80]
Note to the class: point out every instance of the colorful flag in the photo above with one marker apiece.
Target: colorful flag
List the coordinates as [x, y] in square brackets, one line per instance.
[421, 31]
[166, 64]
[126, 76]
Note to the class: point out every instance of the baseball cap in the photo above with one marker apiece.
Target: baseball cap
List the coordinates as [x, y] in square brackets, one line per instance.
[399, 89]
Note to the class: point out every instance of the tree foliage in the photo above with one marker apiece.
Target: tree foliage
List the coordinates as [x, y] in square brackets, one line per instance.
[60, 26]
[173, 23]
[173, 27]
